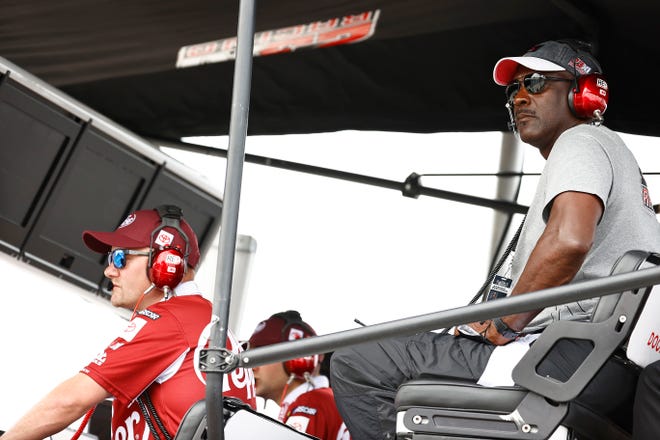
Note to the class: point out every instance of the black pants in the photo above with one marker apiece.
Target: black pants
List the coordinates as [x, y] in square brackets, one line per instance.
[365, 377]
[646, 416]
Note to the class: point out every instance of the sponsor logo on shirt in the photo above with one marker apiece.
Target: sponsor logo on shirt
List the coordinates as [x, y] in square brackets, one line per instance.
[100, 358]
[646, 198]
[132, 329]
[299, 423]
[305, 410]
[115, 345]
[149, 314]
[127, 431]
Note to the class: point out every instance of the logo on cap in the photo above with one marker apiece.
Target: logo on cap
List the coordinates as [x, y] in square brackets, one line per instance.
[260, 327]
[296, 333]
[580, 66]
[127, 221]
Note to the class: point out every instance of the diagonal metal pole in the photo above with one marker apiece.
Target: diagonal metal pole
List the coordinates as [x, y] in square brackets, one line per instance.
[448, 318]
[229, 219]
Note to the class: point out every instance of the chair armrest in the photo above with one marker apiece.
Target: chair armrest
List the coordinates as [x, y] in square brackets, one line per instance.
[605, 336]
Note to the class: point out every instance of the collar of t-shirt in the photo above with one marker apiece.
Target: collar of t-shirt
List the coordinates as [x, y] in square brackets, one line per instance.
[319, 381]
[187, 288]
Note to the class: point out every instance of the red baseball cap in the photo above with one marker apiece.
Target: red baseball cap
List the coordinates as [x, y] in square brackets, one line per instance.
[135, 232]
[280, 327]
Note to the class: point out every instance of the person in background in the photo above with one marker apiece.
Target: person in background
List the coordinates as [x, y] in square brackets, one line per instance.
[150, 368]
[306, 401]
[591, 206]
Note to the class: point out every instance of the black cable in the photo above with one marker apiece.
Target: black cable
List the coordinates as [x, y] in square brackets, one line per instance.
[510, 247]
[483, 289]
[149, 412]
[160, 424]
[508, 225]
[147, 418]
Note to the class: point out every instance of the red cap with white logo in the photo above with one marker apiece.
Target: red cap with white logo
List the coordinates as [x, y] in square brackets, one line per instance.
[135, 232]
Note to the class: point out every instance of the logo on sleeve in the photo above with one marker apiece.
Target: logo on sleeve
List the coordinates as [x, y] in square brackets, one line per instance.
[305, 410]
[646, 197]
[132, 329]
[100, 358]
[149, 314]
[299, 423]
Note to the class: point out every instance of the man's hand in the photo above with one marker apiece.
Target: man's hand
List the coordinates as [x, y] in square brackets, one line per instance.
[489, 332]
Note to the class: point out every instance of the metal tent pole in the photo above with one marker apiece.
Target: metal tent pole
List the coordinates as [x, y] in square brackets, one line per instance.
[212, 363]
[411, 187]
[508, 187]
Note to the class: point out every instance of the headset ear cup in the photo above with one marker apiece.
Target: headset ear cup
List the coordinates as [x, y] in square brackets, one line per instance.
[590, 94]
[299, 366]
[167, 267]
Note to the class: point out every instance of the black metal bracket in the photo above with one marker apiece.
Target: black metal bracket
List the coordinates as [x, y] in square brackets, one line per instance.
[411, 187]
[217, 360]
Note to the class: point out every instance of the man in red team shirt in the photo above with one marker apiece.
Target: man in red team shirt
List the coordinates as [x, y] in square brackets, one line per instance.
[305, 398]
[151, 368]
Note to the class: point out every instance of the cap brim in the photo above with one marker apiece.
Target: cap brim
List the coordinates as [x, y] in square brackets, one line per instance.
[102, 242]
[506, 67]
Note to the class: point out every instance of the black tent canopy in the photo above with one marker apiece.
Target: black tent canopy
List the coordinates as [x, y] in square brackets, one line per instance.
[426, 68]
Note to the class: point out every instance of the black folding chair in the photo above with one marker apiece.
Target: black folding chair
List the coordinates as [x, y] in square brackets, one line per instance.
[437, 408]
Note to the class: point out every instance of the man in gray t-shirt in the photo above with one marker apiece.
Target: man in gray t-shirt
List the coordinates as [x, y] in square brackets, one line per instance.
[591, 206]
[592, 160]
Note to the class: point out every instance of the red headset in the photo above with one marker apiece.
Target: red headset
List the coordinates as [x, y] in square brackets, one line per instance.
[167, 262]
[589, 95]
[588, 98]
[299, 367]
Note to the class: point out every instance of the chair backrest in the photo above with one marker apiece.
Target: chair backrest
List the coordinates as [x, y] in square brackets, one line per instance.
[628, 262]
[442, 408]
[611, 325]
[193, 424]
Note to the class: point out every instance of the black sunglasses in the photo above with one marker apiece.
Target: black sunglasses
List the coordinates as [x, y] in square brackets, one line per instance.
[534, 83]
[118, 257]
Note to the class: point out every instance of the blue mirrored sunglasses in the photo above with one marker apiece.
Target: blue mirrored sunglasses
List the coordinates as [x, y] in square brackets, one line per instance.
[118, 257]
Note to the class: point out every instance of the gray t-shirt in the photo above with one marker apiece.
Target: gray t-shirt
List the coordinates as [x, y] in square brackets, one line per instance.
[591, 159]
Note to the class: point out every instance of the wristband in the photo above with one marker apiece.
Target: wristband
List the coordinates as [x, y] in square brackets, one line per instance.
[504, 329]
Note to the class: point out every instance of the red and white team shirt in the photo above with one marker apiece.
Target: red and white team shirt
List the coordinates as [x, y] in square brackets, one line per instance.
[310, 408]
[158, 352]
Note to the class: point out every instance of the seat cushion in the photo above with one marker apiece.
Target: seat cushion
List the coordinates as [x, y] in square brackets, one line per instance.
[464, 396]
[453, 394]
